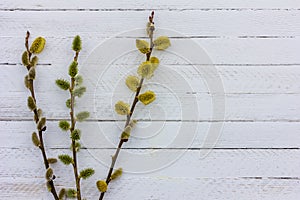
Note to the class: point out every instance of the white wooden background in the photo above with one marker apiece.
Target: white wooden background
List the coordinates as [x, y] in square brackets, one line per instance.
[255, 46]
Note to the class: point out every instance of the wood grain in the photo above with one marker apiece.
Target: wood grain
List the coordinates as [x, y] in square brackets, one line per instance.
[254, 46]
[245, 107]
[231, 51]
[225, 23]
[168, 188]
[149, 5]
[235, 135]
[202, 176]
[148, 162]
[236, 79]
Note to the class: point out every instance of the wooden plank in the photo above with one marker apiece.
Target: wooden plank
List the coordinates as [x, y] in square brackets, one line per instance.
[149, 5]
[255, 46]
[228, 51]
[159, 188]
[248, 23]
[159, 135]
[195, 107]
[26, 162]
[163, 188]
[236, 79]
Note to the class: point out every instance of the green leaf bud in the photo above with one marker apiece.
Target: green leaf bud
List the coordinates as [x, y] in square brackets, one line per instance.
[25, 58]
[64, 125]
[73, 69]
[39, 114]
[41, 124]
[34, 61]
[86, 173]
[49, 174]
[65, 159]
[75, 135]
[52, 160]
[26, 82]
[71, 193]
[35, 139]
[31, 103]
[82, 116]
[31, 73]
[77, 146]
[78, 80]
[48, 185]
[68, 103]
[62, 84]
[78, 92]
[76, 45]
[62, 194]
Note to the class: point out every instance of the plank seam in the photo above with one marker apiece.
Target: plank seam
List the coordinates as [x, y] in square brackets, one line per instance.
[200, 64]
[173, 148]
[197, 37]
[169, 120]
[142, 10]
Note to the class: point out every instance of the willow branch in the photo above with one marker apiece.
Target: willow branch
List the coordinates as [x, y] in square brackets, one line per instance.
[73, 123]
[135, 101]
[40, 135]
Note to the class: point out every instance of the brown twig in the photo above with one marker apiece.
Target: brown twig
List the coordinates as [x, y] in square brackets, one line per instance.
[41, 145]
[73, 123]
[135, 101]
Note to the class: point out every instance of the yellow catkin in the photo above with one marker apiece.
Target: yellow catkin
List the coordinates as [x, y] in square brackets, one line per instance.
[143, 46]
[117, 173]
[155, 62]
[101, 185]
[145, 70]
[122, 108]
[38, 45]
[132, 82]
[161, 43]
[147, 97]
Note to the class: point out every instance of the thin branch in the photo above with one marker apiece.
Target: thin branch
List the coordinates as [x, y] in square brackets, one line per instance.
[41, 145]
[135, 101]
[27, 46]
[73, 123]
